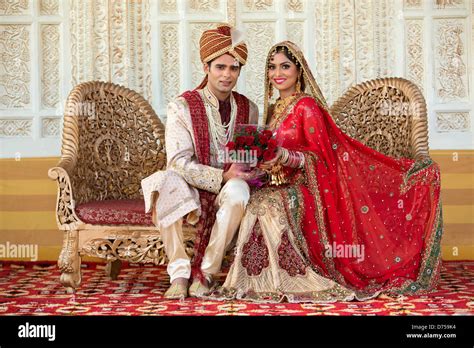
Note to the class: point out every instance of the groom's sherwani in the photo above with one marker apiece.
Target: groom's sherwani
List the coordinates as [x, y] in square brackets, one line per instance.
[193, 177]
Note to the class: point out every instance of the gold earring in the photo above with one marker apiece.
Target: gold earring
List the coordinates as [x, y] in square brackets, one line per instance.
[270, 91]
[298, 82]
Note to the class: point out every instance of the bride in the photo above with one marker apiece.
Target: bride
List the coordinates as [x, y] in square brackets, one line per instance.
[345, 221]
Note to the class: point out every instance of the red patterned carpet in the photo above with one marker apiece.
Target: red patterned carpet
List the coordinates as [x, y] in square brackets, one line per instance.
[34, 289]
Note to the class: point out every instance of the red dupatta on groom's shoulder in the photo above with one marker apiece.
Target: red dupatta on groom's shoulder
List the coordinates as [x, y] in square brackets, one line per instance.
[202, 139]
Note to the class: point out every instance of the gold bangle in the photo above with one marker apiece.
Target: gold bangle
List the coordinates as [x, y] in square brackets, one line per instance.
[302, 160]
[284, 156]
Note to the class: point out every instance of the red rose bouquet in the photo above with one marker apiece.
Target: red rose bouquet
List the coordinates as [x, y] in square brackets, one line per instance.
[251, 144]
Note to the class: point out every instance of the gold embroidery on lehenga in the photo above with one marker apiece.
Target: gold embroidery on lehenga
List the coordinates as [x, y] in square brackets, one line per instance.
[295, 210]
[255, 252]
[264, 199]
[313, 186]
[288, 257]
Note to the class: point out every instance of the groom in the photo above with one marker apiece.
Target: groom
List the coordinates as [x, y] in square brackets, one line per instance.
[196, 186]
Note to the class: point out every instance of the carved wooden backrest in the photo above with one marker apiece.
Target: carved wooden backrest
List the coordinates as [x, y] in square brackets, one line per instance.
[388, 115]
[114, 139]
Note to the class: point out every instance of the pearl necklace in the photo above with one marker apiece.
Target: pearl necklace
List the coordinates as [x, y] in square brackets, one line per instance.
[220, 134]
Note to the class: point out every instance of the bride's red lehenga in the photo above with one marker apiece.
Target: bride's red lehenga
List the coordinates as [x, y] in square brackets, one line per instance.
[351, 223]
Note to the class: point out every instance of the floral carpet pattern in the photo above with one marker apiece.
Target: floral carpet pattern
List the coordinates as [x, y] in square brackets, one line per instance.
[34, 289]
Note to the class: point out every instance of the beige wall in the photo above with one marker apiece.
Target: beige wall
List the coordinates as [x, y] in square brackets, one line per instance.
[28, 197]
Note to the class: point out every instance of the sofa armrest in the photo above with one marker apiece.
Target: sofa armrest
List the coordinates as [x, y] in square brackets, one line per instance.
[66, 217]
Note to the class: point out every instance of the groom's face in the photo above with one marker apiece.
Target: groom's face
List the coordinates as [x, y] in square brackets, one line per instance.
[222, 74]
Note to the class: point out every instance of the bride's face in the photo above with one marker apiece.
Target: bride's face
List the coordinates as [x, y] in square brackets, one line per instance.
[283, 74]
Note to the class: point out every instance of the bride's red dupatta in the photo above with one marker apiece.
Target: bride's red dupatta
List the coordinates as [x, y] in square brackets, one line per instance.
[368, 221]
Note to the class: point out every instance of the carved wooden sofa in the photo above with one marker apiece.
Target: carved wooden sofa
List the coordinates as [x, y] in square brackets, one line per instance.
[387, 114]
[112, 139]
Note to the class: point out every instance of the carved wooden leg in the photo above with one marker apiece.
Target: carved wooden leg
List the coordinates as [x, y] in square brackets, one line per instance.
[69, 262]
[112, 269]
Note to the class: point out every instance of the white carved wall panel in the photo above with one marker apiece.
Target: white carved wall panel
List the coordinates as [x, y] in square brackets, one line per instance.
[450, 60]
[413, 4]
[15, 128]
[439, 58]
[170, 53]
[51, 127]
[295, 32]
[15, 70]
[111, 41]
[364, 39]
[34, 78]
[295, 5]
[168, 6]
[384, 35]
[354, 41]
[414, 52]
[261, 37]
[461, 4]
[347, 72]
[49, 7]
[259, 5]
[453, 121]
[198, 6]
[151, 46]
[50, 53]
[15, 8]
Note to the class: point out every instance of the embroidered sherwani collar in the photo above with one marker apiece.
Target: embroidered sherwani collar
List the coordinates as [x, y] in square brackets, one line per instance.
[212, 99]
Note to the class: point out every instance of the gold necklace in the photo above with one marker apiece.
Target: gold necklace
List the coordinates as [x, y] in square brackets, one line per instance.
[277, 176]
[281, 106]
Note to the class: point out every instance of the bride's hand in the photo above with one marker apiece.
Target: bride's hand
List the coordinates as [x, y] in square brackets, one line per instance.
[269, 164]
[255, 174]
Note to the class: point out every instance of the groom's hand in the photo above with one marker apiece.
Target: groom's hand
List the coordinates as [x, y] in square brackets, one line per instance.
[236, 170]
[256, 173]
[241, 171]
